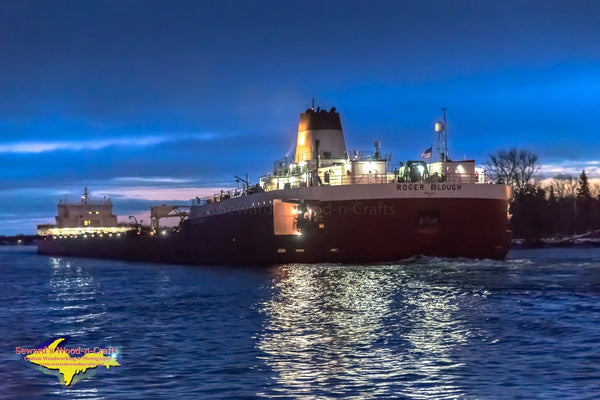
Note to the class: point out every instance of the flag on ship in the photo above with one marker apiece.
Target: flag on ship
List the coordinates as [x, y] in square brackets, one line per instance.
[426, 153]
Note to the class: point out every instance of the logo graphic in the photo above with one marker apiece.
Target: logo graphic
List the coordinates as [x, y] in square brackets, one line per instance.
[70, 369]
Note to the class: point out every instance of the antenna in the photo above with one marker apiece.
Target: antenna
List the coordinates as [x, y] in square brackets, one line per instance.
[442, 139]
[84, 198]
[313, 104]
[377, 150]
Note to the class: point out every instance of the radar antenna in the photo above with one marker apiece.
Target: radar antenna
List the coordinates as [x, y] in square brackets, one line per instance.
[442, 139]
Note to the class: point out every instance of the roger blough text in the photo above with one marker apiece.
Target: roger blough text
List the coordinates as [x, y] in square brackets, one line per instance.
[429, 186]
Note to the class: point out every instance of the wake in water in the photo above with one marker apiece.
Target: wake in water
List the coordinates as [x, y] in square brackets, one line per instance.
[424, 327]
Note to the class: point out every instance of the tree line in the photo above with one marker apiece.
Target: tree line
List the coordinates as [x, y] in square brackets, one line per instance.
[563, 205]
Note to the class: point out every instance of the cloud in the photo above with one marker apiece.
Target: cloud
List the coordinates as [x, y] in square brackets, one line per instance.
[152, 179]
[24, 209]
[573, 168]
[162, 194]
[97, 144]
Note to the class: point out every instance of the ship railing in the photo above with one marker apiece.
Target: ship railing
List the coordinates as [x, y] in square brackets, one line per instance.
[323, 155]
[93, 203]
[453, 178]
[360, 155]
[218, 197]
[341, 180]
[463, 178]
[353, 179]
[363, 179]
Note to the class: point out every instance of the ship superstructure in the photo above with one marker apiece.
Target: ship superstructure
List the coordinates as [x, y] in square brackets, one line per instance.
[84, 217]
[326, 205]
[321, 159]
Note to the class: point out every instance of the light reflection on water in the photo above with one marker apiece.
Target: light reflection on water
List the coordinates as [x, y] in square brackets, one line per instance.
[73, 288]
[526, 327]
[336, 329]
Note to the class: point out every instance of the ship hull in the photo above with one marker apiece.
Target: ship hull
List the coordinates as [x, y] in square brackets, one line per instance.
[371, 230]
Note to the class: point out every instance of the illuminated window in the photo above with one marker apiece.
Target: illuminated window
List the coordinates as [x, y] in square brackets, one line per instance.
[86, 223]
[97, 212]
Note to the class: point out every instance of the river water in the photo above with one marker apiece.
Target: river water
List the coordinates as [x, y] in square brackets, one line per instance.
[524, 328]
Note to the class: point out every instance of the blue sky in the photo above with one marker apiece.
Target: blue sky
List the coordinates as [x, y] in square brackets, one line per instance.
[159, 101]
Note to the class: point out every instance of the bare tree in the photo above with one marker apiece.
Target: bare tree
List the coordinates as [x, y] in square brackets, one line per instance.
[596, 190]
[516, 168]
[564, 185]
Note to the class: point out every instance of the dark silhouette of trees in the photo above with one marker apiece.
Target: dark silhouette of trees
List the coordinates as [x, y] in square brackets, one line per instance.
[584, 204]
[552, 223]
[564, 213]
[564, 185]
[529, 211]
[516, 168]
[584, 192]
[566, 207]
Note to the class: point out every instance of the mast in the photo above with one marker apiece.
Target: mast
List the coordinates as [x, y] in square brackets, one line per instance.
[442, 139]
[85, 196]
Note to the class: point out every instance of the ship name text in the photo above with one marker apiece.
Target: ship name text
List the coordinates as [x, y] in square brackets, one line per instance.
[428, 186]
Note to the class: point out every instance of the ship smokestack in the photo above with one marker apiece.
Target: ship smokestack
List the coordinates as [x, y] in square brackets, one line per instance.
[322, 126]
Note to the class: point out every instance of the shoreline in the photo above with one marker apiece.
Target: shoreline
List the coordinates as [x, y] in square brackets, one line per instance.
[553, 243]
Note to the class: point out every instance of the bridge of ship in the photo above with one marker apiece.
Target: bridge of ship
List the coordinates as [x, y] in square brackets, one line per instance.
[363, 169]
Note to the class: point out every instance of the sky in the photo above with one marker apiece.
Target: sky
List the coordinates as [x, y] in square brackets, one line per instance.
[152, 102]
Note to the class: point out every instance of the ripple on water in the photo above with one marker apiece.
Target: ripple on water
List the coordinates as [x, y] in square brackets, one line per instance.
[425, 327]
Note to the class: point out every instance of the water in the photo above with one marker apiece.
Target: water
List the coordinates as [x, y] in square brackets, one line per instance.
[528, 327]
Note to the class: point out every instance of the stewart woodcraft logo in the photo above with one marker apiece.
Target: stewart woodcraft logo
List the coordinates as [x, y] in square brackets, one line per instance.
[70, 364]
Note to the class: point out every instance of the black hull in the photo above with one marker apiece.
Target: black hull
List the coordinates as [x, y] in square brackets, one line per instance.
[369, 231]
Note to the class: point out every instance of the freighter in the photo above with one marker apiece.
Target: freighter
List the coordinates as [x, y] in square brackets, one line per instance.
[322, 205]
